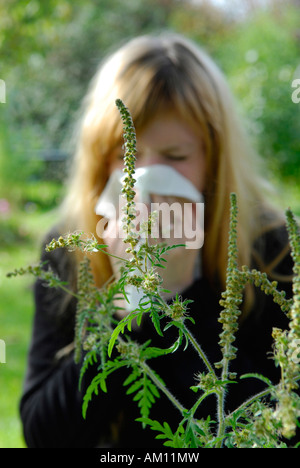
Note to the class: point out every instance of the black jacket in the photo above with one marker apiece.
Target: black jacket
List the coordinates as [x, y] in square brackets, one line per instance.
[51, 404]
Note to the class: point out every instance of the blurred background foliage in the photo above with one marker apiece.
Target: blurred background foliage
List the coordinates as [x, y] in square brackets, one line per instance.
[49, 51]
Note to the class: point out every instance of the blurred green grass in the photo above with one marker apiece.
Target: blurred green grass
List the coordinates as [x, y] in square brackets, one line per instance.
[16, 313]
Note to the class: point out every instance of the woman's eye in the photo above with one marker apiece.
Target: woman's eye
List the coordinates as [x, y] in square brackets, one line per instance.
[175, 157]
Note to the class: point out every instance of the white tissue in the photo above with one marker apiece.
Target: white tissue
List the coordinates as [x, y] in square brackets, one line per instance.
[156, 179]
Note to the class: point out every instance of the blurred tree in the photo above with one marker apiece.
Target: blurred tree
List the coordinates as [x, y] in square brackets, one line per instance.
[261, 66]
[49, 52]
[258, 49]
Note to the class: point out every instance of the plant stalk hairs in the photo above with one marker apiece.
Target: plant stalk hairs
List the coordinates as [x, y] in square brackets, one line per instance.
[102, 340]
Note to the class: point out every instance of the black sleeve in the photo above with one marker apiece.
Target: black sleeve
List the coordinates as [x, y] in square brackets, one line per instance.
[51, 403]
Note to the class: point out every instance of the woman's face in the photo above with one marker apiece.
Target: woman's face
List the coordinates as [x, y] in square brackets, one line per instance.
[168, 140]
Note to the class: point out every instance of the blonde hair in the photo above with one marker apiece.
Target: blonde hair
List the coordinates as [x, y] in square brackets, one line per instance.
[150, 75]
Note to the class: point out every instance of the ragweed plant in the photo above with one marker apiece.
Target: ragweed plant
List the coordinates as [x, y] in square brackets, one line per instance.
[103, 341]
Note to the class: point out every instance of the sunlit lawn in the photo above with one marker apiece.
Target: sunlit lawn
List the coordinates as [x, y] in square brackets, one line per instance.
[16, 311]
[16, 303]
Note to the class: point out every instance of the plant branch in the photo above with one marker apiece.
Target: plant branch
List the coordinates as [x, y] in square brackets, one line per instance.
[162, 387]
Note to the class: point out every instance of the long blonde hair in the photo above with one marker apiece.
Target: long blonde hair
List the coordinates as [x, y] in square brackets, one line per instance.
[152, 74]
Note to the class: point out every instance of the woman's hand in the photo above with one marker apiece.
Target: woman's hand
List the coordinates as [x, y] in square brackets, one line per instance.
[177, 222]
[177, 225]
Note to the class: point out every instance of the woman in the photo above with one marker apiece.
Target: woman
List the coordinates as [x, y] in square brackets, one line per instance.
[184, 118]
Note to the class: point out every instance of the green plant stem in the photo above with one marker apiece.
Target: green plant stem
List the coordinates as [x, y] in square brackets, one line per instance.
[162, 387]
[221, 417]
[68, 291]
[155, 379]
[248, 402]
[221, 402]
[199, 401]
[200, 351]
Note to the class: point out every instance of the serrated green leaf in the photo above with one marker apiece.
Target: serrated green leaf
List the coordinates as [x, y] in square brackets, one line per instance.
[165, 430]
[89, 359]
[168, 430]
[137, 384]
[156, 321]
[125, 322]
[112, 340]
[92, 389]
[133, 376]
